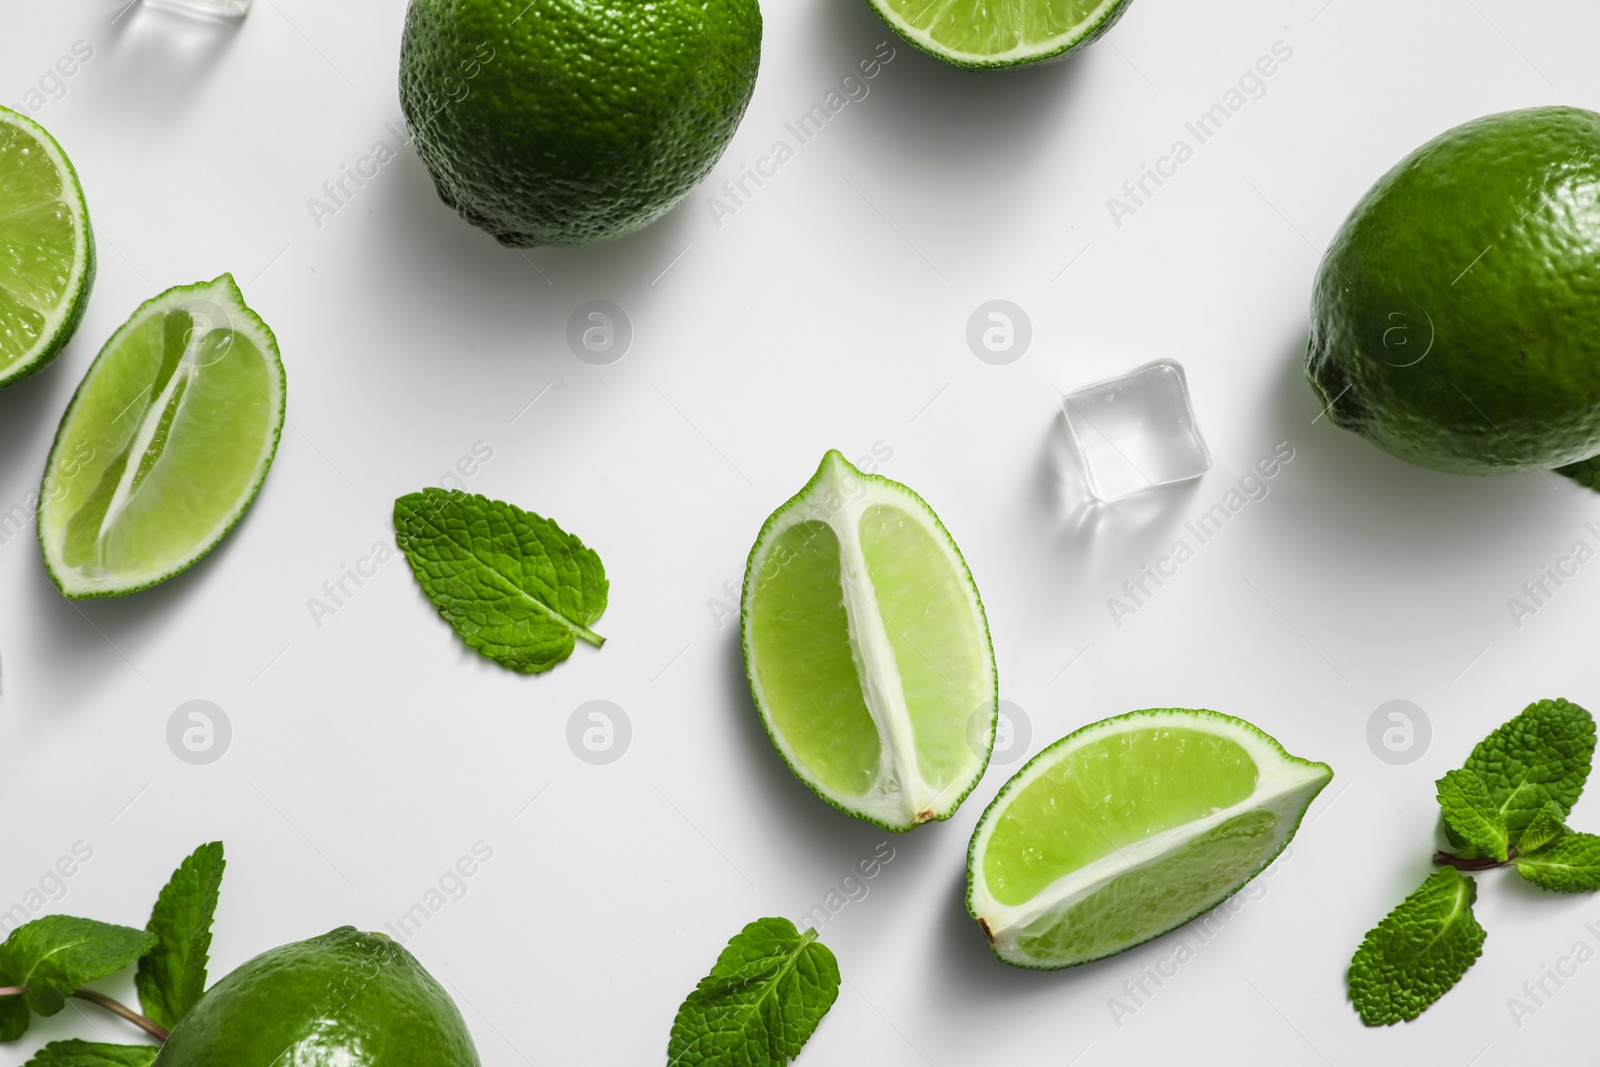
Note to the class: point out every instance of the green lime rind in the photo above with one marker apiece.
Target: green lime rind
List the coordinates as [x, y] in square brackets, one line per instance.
[1083, 34]
[68, 579]
[1454, 318]
[553, 122]
[68, 314]
[1287, 827]
[780, 518]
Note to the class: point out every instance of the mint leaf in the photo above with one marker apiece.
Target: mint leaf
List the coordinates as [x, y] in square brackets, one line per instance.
[1569, 864]
[1418, 951]
[1540, 756]
[514, 586]
[1545, 828]
[1586, 472]
[77, 1053]
[761, 1002]
[13, 1017]
[58, 954]
[173, 975]
[1471, 815]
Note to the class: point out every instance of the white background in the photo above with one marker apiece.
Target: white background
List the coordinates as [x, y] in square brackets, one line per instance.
[371, 752]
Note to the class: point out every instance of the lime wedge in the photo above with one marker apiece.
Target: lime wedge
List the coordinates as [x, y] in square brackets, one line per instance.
[46, 248]
[165, 442]
[1010, 33]
[867, 649]
[1130, 828]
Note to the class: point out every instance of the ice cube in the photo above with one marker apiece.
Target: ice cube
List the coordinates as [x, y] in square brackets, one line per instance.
[213, 9]
[1136, 431]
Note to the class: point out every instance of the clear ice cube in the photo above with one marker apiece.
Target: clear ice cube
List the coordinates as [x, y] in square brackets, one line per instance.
[1136, 431]
[211, 9]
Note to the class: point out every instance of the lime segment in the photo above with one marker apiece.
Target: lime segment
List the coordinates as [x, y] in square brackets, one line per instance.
[867, 649]
[986, 33]
[1129, 828]
[165, 443]
[46, 248]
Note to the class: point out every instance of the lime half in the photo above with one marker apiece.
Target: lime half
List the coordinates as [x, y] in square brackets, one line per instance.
[867, 649]
[164, 444]
[1130, 828]
[46, 248]
[1010, 33]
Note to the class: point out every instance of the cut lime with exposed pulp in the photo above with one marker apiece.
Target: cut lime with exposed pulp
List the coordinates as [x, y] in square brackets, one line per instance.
[867, 649]
[1129, 828]
[46, 248]
[986, 34]
[165, 443]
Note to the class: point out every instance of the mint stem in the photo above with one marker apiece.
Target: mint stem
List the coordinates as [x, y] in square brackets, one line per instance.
[157, 1032]
[1483, 863]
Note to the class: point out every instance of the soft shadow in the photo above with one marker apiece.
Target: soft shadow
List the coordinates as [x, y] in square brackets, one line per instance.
[958, 121]
[162, 60]
[423, 255]
[1368, 501]
[107, 635]
[27, 410]
[969, 978]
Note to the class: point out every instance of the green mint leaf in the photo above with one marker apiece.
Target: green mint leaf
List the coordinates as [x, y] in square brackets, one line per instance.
[1418, 952]
[1540, 756]
[13, 1018]
[1471, 815]
[761, 1002]
[514, 586]
[58, 955]
[1569, 864]
[1586, 472]
[1545, 828]
[77, 1053]
[172, 977]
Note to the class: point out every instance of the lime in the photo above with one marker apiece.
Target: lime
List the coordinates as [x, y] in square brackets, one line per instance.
[1456, 316]
[46, 248]
[165, 443]
[1128, 828]
[345, 998]
[558, 122]
[983, 34]
[867, 649]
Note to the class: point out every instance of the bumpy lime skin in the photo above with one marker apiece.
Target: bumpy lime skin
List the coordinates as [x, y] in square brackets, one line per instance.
[558, 123]
[1456, 315]
[345, 999]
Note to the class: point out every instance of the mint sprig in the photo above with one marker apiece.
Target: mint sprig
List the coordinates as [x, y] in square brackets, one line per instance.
[172, 976]
[45, 961]
[513, 585]
[77, 1053]
[1505, 808]
[1471, 814]
[761, 1002]
[50, 959]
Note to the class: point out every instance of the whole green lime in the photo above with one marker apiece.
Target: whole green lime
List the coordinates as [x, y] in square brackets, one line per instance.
[565, 122]
[1456, 316]
[345, 999]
